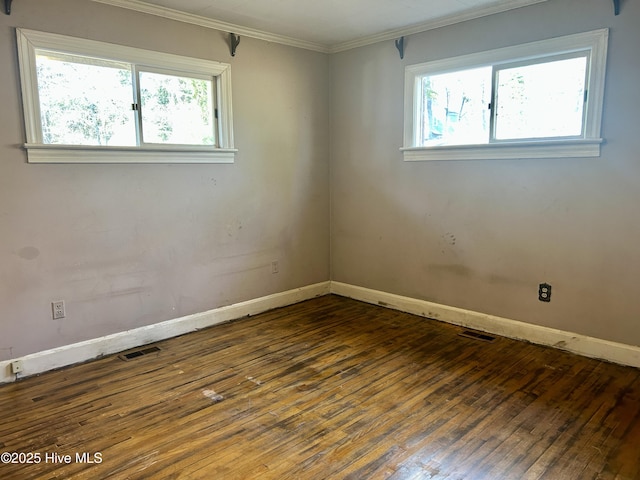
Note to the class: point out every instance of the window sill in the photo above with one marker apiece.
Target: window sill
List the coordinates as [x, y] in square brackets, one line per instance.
[37, 153]
[511, 150]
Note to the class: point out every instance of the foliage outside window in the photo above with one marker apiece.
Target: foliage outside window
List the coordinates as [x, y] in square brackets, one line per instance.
[542, 99]
[91, 101]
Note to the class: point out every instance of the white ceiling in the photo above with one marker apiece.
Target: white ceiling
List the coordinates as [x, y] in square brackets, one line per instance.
[324, 25]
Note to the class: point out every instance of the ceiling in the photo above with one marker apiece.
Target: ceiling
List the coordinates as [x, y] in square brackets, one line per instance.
[323, 25]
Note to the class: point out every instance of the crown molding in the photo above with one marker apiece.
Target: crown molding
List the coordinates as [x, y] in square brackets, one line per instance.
[169, 13]
[201, 21]
[433, 24]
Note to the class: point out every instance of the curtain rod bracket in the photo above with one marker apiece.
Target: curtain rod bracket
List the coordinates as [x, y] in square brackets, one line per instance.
[234, 41]
[400, 47]
[7, 7]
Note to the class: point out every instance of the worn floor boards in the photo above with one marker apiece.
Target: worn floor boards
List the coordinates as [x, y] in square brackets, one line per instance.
[328, 388]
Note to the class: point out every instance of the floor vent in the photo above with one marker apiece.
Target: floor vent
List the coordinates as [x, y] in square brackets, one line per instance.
[477, 336]
[137, 353]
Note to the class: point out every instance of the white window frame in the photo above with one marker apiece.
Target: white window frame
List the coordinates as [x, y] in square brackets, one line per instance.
[29, 41]
[594, 43]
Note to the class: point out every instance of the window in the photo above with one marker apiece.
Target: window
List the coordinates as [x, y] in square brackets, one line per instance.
[537, 100]
[87, 101]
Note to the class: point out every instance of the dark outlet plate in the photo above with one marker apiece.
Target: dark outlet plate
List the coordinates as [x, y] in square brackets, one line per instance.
[544, 292]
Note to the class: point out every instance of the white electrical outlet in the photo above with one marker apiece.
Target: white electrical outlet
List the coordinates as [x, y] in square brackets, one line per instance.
[16, 366]
[58, 309]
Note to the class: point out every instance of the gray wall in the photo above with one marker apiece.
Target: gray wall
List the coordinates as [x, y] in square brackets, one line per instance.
[482, 235]
[131, 245]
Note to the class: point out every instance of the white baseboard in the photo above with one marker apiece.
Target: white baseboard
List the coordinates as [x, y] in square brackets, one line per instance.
[79, 352]
[573, 342]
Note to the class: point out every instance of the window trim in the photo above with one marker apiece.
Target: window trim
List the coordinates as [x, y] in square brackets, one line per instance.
[586, 145]
[38, 152]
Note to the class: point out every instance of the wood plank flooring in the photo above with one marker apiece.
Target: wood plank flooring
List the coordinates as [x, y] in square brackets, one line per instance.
[328, 388]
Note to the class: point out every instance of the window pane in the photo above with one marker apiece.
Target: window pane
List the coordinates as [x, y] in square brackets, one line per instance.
[541, 100]
[176, 109]
[85, 101]
[455, 107]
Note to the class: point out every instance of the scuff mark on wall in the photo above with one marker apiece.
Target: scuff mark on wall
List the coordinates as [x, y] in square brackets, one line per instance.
[128, 291]
[29, 253]
[449, 238]
[496, 279]
[464, 271]
[450, 268]
[233, 227]
[6, 353]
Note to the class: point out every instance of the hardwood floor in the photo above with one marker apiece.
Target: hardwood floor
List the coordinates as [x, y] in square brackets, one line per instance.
[328, 388]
